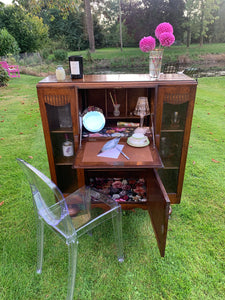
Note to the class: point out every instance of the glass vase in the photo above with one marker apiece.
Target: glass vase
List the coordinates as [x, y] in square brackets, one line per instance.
[116, 111]
[60, 73]
[155, 63]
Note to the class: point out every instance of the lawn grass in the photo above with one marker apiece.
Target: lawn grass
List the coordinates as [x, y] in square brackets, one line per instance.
[193, 267]
[194, 51]
[209, 57]
[133, 60]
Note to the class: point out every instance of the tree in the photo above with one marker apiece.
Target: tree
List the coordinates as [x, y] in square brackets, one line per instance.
[8, 43]
[199, 15]
[174, 14]
[70, 30]
[65, 7]
[28, 30]
[135, 21]
[67, 31]
[89, 24]
[120, 22]
[154, 13]
[207, 16]
[218, 33]
[75, 36]
[111, 14]
[191, 9]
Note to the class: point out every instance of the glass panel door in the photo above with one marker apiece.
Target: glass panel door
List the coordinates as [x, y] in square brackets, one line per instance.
[171, 142]
[62, 141]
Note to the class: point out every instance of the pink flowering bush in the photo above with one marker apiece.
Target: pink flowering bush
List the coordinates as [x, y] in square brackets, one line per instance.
[163, 32]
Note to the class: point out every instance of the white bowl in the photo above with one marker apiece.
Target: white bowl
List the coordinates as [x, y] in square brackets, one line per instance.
[139, 136]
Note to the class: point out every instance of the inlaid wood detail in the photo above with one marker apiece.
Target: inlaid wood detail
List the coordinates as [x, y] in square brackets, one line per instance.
[176, 98]
[57, 100]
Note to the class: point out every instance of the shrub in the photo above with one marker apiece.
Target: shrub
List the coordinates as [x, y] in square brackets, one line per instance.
[28, 30]
[45, 53]
[60, 55]
[8, 44]
[30, 59]
[11, 59]
[4, 77]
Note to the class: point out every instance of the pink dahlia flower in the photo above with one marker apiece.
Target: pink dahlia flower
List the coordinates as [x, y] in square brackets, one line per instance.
[163, 27]
[166, 39]
[147, 44]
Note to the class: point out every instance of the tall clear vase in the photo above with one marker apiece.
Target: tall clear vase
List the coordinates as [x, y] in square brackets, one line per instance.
[155, 63]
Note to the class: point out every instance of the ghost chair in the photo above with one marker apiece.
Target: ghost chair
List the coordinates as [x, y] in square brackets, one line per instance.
[69, 217]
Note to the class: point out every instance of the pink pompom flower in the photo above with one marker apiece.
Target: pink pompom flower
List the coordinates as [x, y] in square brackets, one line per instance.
[166, 39]
[163, 32]
[147, 44]
[163, 27]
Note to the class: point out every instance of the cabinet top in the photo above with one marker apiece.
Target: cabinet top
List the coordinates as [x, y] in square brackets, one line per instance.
[131, 80]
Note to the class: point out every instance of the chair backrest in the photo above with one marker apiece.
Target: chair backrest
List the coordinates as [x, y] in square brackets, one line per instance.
[4, 64]
[49, 202]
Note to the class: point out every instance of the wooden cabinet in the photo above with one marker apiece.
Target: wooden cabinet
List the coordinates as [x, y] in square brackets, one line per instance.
[161, 164]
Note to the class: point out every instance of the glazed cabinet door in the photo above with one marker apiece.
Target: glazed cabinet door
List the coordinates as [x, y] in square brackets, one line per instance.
[174, 112]
[59, 112]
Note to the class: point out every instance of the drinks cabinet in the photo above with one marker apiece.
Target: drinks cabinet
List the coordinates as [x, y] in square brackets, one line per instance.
[152, 178]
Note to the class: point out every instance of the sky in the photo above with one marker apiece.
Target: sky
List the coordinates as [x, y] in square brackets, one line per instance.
[6, 1]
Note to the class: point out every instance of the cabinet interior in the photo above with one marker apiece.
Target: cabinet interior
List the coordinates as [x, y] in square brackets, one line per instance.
[127, 98]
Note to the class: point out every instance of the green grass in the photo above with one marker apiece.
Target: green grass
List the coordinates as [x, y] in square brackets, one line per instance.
[193, 267]
[132, 60]
[193, 51]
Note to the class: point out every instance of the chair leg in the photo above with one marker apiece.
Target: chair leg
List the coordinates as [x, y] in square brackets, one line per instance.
[72, 264]
[117, 226]
[40, 243]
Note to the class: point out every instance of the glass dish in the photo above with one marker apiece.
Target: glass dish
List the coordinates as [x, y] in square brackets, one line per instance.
[93, 119]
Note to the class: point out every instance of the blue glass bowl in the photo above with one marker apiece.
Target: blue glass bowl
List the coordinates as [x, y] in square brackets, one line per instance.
[94, 120]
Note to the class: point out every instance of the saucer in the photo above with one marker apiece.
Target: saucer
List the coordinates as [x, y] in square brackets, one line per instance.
[131, 142]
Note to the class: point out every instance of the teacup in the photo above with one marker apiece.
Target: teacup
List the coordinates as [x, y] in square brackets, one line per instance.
[138, 136]
[138, 139]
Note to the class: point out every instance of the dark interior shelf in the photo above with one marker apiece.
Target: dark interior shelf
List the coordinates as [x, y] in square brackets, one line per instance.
[62, 130]
[64, 160]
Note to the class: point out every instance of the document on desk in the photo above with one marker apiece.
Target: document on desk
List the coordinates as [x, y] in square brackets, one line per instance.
[112, 153]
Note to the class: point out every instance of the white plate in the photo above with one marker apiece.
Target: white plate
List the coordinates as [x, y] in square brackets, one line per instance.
[94, 121]
[129, 142]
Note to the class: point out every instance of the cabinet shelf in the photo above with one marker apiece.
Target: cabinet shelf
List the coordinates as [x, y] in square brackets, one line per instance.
[64, 160]
[172, 130]
[170, 167]
[122, 117]
[62, 130]
[171, 163]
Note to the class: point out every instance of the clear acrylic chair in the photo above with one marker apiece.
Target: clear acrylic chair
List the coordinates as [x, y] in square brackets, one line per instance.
[70, 217]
